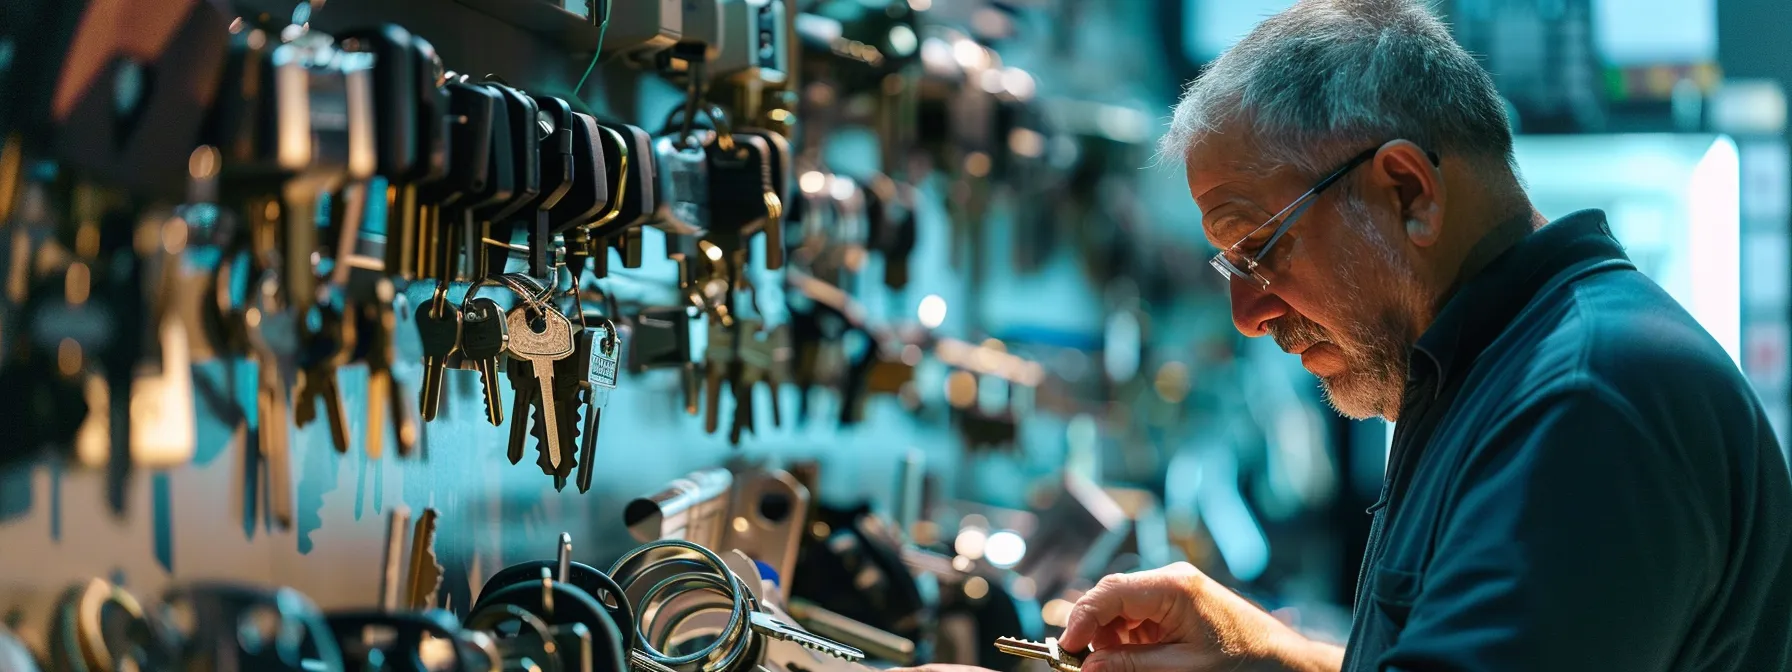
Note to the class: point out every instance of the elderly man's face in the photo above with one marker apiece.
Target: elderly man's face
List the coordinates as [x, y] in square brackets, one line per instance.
[1341, 292]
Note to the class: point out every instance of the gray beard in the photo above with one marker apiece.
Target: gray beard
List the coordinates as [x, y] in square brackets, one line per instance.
[1377, 347]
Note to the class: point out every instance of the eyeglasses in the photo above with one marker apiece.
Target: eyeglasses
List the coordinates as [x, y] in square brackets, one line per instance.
[1235, 265]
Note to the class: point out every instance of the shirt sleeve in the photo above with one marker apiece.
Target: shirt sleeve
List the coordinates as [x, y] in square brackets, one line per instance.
[1578, 542]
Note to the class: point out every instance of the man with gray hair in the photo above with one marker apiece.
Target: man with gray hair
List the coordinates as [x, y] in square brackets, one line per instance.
[1581, 479]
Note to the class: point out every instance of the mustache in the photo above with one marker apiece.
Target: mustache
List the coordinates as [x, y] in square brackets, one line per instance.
[1293, 334]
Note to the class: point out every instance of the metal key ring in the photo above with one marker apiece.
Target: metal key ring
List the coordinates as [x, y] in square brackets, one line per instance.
[737, 615]
[78, 629]
[540, 300]
[533, 299]
[732, 638]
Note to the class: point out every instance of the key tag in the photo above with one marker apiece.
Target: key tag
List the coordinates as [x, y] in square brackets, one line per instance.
[606, 360]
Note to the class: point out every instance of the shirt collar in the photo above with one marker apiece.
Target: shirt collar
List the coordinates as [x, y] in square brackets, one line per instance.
[1487, 303]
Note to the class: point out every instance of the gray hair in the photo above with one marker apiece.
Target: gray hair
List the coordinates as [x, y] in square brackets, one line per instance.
[1326, 79]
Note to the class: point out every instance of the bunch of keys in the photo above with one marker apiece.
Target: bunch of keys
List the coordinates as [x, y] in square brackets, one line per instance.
[1048, 651]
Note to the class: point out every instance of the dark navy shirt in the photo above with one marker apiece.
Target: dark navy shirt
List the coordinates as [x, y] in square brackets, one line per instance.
[1581, 479]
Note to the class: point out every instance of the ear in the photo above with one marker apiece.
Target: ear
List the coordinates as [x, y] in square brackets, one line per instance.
[1414, 187]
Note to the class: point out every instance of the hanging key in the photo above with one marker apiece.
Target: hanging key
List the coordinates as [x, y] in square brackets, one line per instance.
[603, 352]
[662, 340]
[741, 381]
[779, 161]
[517, 140]
[471, 180]
[554, 125]
[521, 374]
[614, 223]
[763, 356]
[718, 365]
[588, 194]
[890, 211]
[641, 203]
[483, 340]
[438, 330]
[741, 197]
[540, 349]
[387, 404]
[321, 353]
[340, 108]
[273, 338]
[683, 212]
[411, 129]
[570, 374]
[593, 197]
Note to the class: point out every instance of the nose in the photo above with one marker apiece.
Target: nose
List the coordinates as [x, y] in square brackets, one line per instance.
[1253, 309]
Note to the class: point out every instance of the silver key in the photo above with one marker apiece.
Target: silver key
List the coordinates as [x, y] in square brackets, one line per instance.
[1059, 659]
[541, 349]
[770, 626]
[272, 337]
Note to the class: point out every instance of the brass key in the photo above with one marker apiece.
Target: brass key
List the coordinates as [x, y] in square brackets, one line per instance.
[541, 349]
[1059, 659]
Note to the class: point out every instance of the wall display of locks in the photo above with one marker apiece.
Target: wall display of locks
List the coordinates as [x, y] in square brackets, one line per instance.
[281, 276]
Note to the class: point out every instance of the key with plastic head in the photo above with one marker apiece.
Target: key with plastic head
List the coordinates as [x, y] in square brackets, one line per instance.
[438, 330]
[483, 337]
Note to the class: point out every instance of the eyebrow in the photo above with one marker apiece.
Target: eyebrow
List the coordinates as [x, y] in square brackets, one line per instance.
[1233, 209]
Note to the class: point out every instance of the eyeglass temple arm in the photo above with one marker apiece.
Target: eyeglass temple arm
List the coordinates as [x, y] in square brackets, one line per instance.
[1306, 200]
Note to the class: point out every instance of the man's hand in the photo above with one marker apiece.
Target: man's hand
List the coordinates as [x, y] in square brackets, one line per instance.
[1177, 619]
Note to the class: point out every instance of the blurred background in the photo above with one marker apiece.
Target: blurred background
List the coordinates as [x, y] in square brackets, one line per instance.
[1038, 381]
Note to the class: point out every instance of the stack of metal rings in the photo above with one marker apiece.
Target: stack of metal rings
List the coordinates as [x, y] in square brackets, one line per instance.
[688, 588]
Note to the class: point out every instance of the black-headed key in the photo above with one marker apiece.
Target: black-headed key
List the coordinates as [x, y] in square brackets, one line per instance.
[780, 164]
[603, 232]
[466, 258]
[409, 128]
[522, 387]
[593, 196]
[519, 143]
[588, 195]
[642, 199]
[438, 330]
[554, 124]
[320, 352]
[472, 109]
[483, 336]
[742, 199]
[662, 340]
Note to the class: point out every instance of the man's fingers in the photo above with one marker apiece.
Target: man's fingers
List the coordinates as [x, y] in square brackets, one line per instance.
[1152, 658]
[1144, 596]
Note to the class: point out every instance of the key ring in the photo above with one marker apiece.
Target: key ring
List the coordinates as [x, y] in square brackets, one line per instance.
[510, 281]
[636, 565]
[541, 299]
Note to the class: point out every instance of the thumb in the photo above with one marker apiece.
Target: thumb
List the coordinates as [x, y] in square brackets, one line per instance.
[1153, 658]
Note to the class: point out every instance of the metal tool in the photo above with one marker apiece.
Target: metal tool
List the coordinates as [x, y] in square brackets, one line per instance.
[1048, 651]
